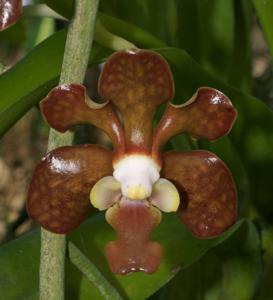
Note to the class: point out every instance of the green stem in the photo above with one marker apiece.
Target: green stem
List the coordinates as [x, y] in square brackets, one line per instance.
[91, 272]
[77, 49]
[52, 261]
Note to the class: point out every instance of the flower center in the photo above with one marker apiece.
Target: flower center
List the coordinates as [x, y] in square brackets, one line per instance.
[136, 174]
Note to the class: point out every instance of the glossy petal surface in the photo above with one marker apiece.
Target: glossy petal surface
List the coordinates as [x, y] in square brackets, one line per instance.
[10, 11]
[206, 186]
[58, 196]
[133, 222]
[209, 114]
[137, 82]
[68, 105]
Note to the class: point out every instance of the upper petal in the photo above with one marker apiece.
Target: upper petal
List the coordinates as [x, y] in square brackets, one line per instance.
[58, 196]
[137, 82]
[208, 114]
[68, 105]
[10, 11]
[209, 204]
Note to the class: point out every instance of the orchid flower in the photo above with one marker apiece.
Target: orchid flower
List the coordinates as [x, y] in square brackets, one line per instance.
[135, 182]
[10, 11]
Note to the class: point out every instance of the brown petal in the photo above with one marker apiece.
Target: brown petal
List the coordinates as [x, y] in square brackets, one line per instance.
[207, 191]
[68, 105]
[133, 221]
[10, 11]
[58, 196]
[208, 114]
[137, 82]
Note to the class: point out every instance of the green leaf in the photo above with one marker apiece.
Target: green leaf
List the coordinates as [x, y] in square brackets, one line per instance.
[264, 11]
[240, 70]
[229, 271]
[191, 25]
[19, 268]
[38, 30]
[19, 261]
[90, 271]
[62, 7]
[158, 17]
[134, 34]
[265, 289]
[29, 80]
[215, 38]
[14, 35]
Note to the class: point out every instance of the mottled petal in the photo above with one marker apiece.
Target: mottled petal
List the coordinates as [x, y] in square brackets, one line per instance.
[105, 193]
[209, 114]
[137, 82]
[58, 196]
[68, 105]
[165, 195]
[133, 222]
[10, 11]
[206, 186]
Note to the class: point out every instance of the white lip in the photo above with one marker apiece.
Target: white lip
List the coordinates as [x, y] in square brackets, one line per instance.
[136, 174]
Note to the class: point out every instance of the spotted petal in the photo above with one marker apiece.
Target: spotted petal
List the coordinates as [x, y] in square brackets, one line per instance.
[58, 196]
[133, 221]
[207, 189]
[68, 105]
[10, 11]
[136, 82]
[209, 114]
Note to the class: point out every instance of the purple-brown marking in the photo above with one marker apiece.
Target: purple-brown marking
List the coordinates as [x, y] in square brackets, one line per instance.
[136, 82]
[209, 114]
[68, 105]
[58, 196]
[208, 195]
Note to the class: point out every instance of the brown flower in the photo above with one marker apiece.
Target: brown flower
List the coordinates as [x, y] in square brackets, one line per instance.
[135, 182]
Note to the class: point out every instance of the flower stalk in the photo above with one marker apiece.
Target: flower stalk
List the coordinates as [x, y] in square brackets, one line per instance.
[77, 49]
